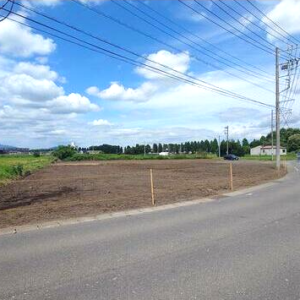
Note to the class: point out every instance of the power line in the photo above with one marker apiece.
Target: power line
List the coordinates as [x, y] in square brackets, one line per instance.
[166, 26]
[266, 24]
[223, 27]
[239, 22]
[193, 56]
[115, 55]
[262, 13]
[175, 48]
[261, 46]
[294, 86]
[206, 42]
[251, 22]
[289, 92]
[130, 27]
[109, 43]
[9, 11]
[3, 5]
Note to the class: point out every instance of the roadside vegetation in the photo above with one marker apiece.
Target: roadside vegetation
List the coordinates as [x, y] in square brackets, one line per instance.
[67, 153]
[289, 156]
[80, 157]
[15, 166]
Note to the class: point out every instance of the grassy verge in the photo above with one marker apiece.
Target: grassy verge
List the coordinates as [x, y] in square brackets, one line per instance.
[289, 156]
[12, 167]
[81, 157]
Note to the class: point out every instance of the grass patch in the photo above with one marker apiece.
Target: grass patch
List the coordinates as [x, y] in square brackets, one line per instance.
[14, 166]
[289, 156]
[82, 157]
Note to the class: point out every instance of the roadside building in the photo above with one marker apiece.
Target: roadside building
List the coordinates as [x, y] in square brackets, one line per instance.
[163, 153]
[266, 150]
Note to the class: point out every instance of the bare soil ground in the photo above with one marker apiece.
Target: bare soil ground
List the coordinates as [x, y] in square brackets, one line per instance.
[67, 190]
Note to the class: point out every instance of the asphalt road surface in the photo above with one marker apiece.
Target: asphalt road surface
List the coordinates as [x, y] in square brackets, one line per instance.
[242, 247]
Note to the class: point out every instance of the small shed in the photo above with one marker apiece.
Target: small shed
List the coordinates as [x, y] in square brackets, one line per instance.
[266, 150]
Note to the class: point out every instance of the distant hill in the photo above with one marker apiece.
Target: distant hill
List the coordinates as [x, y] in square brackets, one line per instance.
[7, 147]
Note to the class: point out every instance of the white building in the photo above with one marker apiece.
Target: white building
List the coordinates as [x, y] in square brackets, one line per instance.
[266, 150]
[163, 153]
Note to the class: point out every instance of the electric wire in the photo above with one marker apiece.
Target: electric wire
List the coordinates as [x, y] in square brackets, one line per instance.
[261, 46]
[272, 52]
[291, 97]
[206, 42]
[154, 19]
[9, 11]
[261, 21]
[253, 23]
[207, 86]
[243, 25]
[193, 56]
[126, 50]
[262, 13]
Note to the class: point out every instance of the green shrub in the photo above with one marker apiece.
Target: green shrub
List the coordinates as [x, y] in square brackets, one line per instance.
[64, 152]
[17, 170]
[36, 154]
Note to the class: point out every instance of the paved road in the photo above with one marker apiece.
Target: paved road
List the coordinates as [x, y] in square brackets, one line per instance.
[242, 247]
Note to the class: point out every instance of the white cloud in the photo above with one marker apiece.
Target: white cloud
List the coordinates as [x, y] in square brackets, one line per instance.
[58, 132]
[19, 41]
[73, 103]
[286, 14]
[101, 122]
[239, 114]
[23, 86]
[5, 65]
[28, 85]
[117, 91]
[36, 71]
[179, 62]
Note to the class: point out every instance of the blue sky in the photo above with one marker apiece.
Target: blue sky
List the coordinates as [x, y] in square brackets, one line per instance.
[53, 92]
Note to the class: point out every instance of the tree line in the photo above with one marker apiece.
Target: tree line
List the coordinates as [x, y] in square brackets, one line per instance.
[290, 138]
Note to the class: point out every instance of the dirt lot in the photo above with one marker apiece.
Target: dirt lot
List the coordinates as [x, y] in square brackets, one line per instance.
[66, 190]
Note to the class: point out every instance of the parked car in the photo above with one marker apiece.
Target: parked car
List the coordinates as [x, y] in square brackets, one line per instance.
[231, 157]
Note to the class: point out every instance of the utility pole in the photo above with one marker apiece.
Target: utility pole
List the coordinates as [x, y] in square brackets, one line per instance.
[226, 131]
[277, 112]
[272, 135]
[219, 146]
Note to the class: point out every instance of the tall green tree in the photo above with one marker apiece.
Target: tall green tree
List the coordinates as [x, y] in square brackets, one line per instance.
[214, 147]
[160, 148]
[294, 142]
